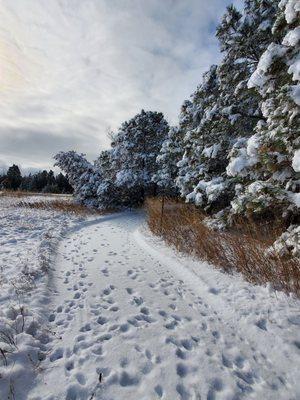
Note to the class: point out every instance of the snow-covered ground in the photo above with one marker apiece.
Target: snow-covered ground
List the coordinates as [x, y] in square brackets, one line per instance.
[24, 237]
[128, 318]
[28, 241]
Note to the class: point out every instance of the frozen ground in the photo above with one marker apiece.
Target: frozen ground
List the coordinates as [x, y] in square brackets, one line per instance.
[28, 240]
[25, 235]
[127, 318]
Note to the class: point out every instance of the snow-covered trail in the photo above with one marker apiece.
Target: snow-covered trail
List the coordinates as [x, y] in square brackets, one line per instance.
[123, 314]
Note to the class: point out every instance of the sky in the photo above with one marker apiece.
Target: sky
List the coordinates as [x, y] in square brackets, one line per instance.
[73, 70]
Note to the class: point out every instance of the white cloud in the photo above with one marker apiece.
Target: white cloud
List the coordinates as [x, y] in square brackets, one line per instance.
[69, 70]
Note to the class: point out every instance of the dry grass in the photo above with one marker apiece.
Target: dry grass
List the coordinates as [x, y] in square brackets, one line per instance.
[21, 193]
[63, 206]
[243, 249]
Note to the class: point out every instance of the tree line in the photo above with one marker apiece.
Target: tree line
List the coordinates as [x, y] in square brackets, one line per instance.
[43, 181]
[235, 152]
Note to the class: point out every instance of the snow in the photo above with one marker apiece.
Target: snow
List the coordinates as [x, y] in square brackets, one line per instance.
[246, 156]
[23, 233]
[237, 164]
[212, 190]
[256, 187]
[296, 161]
[28, 240]
[265, 25]
[253, 144]
[129, 318]
[294, 69]
[291, 9]
[296, 94]
[260, 76]
[196, 197]
[289, 241]
[211, 151]
[292, 38]
[295, 198]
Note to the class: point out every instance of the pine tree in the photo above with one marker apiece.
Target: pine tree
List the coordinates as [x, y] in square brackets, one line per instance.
[13, 178]
[134, 151]
[224, 109]
[82, 175]
[169, 156]
[109, 195]
[197, 117]
[63, 184]
[267, 159]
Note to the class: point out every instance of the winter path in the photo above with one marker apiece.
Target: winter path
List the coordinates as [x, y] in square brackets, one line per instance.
[154, 326]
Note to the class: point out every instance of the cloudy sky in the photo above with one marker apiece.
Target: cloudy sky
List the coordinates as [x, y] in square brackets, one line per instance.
[71, 70]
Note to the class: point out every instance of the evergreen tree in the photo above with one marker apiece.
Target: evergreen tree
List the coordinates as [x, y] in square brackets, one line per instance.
[135, 148]
[51, 178]
[201, 159]
[13, 178]
[267, 159]
[224, 108]
[82, 175]
[45, 182]
[108, 193]
[63, 184]
[25, 182]
[167, 160]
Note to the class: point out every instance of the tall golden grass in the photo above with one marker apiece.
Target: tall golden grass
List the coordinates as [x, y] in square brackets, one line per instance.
[245, 249]
[61, 205]
[23, 193]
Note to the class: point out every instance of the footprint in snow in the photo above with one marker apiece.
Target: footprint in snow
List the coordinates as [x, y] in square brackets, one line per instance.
[124, 327]
[214, 291]
[57, 354]
[52, 317]
[163, 313]
[85, 328]
[137, 301]
[114, 309]
[182, 370]
[69, 365]
[102, 320]
[80, 378]
[159, 390]
[105, 272]
[262, 324]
